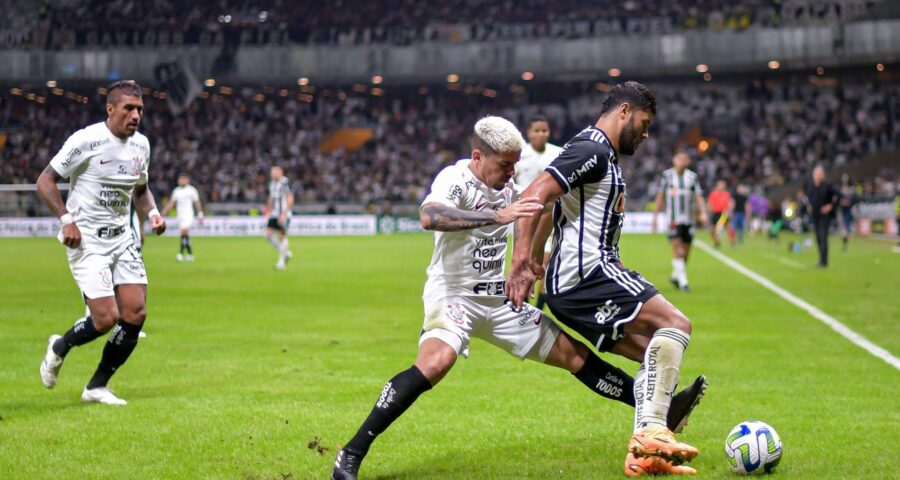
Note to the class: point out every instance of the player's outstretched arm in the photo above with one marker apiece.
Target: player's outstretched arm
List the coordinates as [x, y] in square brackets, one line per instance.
[144, 201]
[524, 270]
[444, 218]
[168, 207]
[49, 193]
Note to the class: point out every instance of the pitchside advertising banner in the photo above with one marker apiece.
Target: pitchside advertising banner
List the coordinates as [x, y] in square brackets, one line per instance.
[301, 225]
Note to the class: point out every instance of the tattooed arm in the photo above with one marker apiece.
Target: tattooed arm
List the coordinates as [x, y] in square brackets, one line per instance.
[444, 218]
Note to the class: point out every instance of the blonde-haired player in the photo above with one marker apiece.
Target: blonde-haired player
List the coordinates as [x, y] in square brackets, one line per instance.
[470, 208]
[186, 200]
[536, 157]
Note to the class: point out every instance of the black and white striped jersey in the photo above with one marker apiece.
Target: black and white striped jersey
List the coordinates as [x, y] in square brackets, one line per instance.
[278, 192]
[680, 193]
[588, 218]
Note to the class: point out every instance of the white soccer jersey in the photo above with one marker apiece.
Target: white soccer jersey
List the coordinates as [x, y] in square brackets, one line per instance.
[278, 192]
[588, 218]
[102, 170]
[680, 193]
[468, 262]
[532, 163]
[184, 200]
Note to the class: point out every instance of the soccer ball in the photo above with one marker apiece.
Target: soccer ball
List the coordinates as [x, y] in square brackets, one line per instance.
[753, 448]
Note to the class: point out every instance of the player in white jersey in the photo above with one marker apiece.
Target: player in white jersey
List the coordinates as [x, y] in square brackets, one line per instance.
[279, 205]
[536, 156]
[680, 188]
[106, 164]
[470, 207]
[588, 288]
[186, 201]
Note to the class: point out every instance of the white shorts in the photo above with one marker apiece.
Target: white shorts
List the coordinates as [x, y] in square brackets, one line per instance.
[185, 223]
[524, 332]
[99, 264]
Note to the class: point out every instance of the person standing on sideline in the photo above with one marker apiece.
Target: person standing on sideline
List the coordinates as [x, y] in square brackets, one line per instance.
[822, 197]
[848, 199]
[740, 211]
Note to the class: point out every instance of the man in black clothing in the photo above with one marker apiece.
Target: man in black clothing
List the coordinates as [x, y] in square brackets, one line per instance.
[822, 199]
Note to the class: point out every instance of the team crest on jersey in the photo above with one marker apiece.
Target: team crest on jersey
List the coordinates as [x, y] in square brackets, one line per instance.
[136, 165]
[456, 314]
[106, 278]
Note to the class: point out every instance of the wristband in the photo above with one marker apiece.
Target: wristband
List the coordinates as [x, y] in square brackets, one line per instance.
[154, 213]
[66, 219]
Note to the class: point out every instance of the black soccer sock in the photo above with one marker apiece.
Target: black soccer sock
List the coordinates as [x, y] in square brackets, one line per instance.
[398, 394]
[541, 301]
[118, 348]
[183, 243]
[81, 333]
[606, 380]
[187, 244]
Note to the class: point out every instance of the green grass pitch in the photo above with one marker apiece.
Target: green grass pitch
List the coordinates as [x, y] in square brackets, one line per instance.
[245, 368]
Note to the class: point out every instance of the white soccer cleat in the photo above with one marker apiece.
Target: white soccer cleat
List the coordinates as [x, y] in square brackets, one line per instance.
[179, 257]
[189, 258]
[101, 395]
[280, 265]
[51, 364]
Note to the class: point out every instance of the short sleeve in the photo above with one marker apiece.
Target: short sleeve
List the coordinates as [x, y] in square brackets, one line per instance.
[696, 188]
[145, 168]
[448, 189]
[71, 156]
[582, 161]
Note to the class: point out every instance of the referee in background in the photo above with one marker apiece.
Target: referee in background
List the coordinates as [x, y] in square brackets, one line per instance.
[823, 198]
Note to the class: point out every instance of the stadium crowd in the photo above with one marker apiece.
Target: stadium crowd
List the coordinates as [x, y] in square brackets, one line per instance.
[765, 135]
[63, 25]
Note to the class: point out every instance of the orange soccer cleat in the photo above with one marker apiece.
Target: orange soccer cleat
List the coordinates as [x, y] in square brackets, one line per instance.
[639, 467]
[660, 442]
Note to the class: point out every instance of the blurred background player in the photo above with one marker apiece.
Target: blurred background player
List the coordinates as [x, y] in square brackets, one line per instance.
[680, 188]
[719, 200]
[822, 198]
[739, 211]
[280, 203]
[536, 156]
[107, 164]
[845, 206]
[186, 201]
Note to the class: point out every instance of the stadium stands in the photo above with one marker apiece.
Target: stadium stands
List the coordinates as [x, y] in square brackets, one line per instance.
[765, 135]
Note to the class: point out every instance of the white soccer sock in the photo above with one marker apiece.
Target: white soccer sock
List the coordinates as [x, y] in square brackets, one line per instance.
[273, 241]
[283, 248]
[639, 379]
[662, 361]
[680, 271]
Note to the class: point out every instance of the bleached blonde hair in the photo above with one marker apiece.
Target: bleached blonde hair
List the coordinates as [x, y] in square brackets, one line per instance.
[498, 134]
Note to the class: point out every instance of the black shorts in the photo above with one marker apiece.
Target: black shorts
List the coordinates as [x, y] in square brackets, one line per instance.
[714, 219]
[683, 232]
[274, 225]
[602, 304]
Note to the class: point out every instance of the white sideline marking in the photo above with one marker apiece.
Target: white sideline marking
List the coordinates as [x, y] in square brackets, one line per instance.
[835, 325]
[788, 262]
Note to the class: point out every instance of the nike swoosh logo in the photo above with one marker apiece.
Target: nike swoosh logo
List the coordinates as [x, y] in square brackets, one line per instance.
[104, 162]
[480, 205]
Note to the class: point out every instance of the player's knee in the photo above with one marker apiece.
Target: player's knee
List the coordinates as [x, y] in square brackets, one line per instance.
[435, 366]
[104, 319]
[680, 321]
[135, 315]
